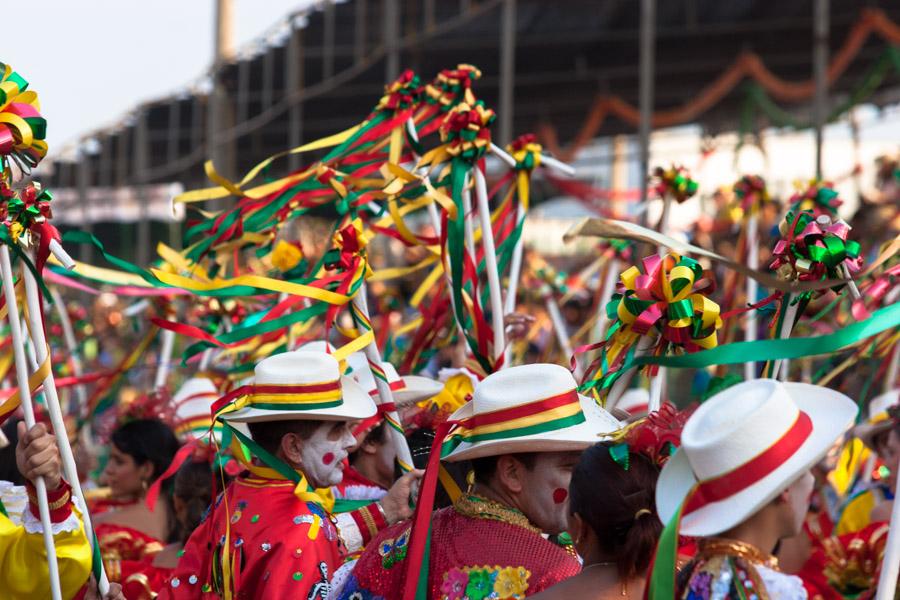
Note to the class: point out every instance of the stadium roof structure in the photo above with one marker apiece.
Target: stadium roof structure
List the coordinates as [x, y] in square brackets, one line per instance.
[735, 65]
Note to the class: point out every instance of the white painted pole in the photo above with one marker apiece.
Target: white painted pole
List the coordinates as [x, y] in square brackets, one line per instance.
[609, 286]
[165, 358]
[28, 410]
[71, 344]
[890, 377]
[385, 394]
[890, 567]
[656, 386]
[786, 326]
[559, 326]
[39, 342]
[752, 289]
[490, 261]
[467, 218]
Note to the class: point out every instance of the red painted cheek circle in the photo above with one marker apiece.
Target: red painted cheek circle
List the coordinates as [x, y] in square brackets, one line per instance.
[560, 495]
[328, 458]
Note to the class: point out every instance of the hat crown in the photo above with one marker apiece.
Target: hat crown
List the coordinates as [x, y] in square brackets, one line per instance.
[737, 425]
[361, 372]
[194, 398]
[299, 367]
[520, 385]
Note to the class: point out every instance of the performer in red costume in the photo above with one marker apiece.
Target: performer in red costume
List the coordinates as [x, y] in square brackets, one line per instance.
[523, 431]
[271, 533]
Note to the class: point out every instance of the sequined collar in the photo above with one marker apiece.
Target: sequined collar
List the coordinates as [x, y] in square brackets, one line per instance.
[478, 507]
[709, 547]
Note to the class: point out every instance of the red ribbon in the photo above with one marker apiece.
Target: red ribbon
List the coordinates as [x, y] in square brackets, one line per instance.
[738, 479]
[518, 412]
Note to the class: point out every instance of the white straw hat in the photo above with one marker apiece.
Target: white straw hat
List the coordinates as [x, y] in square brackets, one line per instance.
[746, 445]
[192, 403]
[529, 408]
[407, 389]
[301, 385]
[878, 420]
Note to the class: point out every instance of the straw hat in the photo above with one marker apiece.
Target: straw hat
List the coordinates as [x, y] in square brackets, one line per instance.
[192, 403]
[530, 408]
[878, 420]
[407, 389]
[301, 385]
[746, 445]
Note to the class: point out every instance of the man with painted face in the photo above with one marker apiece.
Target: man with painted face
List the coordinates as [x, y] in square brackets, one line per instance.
[271, 534]
[740, 483]
[523, 432]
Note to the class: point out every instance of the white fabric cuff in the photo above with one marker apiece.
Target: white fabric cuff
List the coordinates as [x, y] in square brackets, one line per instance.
[72, 523]
[349, 532]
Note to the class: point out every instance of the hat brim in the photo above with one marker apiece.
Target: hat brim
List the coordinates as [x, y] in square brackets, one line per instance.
[597, 425]
[831, 416]
[356, 405]
[866, 432]
[418, 388]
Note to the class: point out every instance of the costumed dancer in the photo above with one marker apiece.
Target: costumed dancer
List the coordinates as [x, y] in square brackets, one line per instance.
[612, 509]
[740, 483]
[23, 560]
[271, 533]
[127, 528]
[524, 431]
[192, 475]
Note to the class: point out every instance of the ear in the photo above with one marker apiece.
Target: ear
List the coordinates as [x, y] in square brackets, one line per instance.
[368, 447]
[290, 448]
[145, 471]
[510, 473]
[577, 529]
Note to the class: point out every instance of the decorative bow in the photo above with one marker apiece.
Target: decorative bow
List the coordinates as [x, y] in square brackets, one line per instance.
[813, 249]
[466, 130]
[622, 250]
[22, 128]
[28, 208]
[403, 93]
[818, 196]
[666, 299]
[675, 182]
[349, 243]
[665, 305]
[450, 85]
[526, 151]
[751, 193]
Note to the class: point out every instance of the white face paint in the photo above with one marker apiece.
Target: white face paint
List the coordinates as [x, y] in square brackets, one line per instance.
[324, 452]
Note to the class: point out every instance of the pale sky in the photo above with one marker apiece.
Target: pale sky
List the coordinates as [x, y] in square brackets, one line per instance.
[90, 61]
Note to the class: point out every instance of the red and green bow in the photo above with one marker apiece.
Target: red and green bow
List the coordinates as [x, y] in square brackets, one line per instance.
[675, 182]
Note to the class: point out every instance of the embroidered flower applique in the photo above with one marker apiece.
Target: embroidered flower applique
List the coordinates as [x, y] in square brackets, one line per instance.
[485, 583]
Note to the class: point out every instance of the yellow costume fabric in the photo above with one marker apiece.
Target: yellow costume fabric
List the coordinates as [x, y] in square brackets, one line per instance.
[23, 561]
[857, 514]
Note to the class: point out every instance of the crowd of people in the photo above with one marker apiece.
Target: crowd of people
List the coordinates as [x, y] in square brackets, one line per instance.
[436, 447]
[543, 493]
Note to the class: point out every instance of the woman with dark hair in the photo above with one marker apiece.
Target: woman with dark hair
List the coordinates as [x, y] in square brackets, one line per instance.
[613, 523]
[140, 451]
[612, 508]
[191, 496]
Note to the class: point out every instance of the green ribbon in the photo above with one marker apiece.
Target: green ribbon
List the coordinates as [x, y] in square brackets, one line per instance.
[763, 350]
